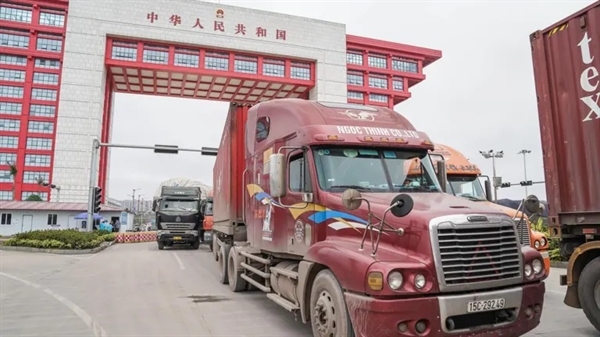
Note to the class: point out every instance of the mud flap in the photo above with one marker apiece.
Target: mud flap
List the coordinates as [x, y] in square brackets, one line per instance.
[572, 297]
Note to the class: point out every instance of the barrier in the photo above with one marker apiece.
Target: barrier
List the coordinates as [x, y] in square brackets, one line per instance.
[134, 237]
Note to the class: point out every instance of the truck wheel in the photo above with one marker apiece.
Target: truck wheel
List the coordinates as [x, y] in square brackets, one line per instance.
[223, 259]
[161, 246]
[234, 271]
[196, 245]
[588, 288]
[328, 312]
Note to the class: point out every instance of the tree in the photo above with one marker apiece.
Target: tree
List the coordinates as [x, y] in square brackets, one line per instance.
[12, 172]
[34, 197]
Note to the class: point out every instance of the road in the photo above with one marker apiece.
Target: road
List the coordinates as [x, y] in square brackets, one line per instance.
[136, 290]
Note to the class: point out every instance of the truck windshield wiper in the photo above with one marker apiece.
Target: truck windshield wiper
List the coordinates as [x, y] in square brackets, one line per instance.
[472, 198]
[419, 188]
[356, 187]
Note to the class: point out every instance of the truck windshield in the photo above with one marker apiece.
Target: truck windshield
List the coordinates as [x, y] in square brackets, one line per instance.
[208, 208]
[179, 205]
[466, 186]
[375, 170]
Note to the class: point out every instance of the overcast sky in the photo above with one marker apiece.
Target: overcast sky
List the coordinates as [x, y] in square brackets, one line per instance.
[479, 96]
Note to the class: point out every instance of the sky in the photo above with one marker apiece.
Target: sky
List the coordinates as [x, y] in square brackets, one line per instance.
[479, 96]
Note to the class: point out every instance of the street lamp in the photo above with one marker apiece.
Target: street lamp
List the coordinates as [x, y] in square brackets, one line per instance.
[493, 154]
[133, 199]
[525, 153]
[55, 187]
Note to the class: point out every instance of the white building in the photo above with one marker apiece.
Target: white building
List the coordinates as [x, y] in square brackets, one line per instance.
[23, 216]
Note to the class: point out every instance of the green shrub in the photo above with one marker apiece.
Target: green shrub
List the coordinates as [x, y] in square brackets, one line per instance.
[60, 239]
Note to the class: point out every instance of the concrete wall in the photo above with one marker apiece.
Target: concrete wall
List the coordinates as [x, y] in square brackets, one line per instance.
[89, 22]
[23, 221]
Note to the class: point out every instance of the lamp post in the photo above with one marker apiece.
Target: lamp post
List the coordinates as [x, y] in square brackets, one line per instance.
[525, 153]
[493, 155]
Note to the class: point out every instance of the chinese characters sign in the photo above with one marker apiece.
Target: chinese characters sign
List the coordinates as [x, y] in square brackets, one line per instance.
[218, 25]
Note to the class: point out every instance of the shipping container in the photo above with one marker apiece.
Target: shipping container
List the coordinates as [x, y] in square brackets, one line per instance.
[228, 171]
[566, 62]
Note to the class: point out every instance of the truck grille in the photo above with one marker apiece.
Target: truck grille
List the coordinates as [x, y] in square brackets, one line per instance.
[178, 226]
[523, 231]
[475, 256]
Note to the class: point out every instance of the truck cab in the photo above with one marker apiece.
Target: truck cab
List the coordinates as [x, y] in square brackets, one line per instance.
[332, 227]
[464, 180]
[178, 216]
[206, 208]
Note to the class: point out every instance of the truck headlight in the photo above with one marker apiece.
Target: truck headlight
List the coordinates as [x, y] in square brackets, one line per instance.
[395, 280]
[543, 241]
[538, 266]
[420, 281]
[528, 270]
[536, 244]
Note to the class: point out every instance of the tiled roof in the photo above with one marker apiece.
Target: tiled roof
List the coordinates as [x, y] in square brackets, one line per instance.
[52, 206]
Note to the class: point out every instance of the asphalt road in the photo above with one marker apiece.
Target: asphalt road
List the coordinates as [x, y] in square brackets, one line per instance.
[136, 290]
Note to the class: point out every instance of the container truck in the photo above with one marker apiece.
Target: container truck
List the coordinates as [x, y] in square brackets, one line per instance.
[566, 64]
[178, 216]
[312, 207]
[464, 180]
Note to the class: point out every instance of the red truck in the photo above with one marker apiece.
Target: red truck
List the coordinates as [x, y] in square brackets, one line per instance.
[313, 207]
[566, 63]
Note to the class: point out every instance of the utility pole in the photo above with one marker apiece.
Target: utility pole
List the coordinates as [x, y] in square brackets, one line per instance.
[139, 209]
[525, 153]
[493, 155]
[133, 199]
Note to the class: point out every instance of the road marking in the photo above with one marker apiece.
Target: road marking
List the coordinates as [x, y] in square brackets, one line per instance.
[82, 314]
[179, 262]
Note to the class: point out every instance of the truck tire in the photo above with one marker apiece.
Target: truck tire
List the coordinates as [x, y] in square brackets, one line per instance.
[196, 245]
[223, 259]
[588, 288]
[328, 312]
[161, 245]
[234, 271]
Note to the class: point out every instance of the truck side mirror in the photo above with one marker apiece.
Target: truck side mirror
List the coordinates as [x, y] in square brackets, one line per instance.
[277, 175]
[154, 205]
[441, 174]
[351, 199]
[488, 189]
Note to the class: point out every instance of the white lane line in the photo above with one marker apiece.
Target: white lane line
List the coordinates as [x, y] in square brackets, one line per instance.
[179, 262]
[82, 314]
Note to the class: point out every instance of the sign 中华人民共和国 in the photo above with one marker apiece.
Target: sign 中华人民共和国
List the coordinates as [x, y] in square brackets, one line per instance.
[217, 25]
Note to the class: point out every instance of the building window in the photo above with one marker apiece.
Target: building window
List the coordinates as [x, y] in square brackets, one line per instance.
[10, 108]
[124, 51]
[47, 63]
[43, 94]
[12, 75]
[6, 195]
[216, 61]
[42, 195]
[52, 219]
[156, 55]
[45, 78]
[40, 127]
[38, 110]
[378, 98]
[15, 14]
[51, 45]
[275, 68]
[247, 65]
[13, 60]
[17, 40]
[377, 61]
[378, 81]
[32, 177]
[5, 176]
[355, 78]
[37, 160]
[404, 65]
[354, 58]
[11, 92]
[11, 125]
[5, 218]
[300, 71]
[52, 19]
[398, 84]
[8, 158]
[9, 142]
[187, 58]
[355, 95]
[39, 143]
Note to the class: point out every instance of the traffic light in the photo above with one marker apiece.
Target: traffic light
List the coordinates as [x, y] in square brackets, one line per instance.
[526, 183]
[505, 185]
[97, 199]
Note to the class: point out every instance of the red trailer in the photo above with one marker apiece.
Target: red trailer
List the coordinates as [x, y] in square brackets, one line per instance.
[566, 62]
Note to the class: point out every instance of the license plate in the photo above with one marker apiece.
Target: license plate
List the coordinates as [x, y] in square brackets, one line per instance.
[486, 305]
[177, 238]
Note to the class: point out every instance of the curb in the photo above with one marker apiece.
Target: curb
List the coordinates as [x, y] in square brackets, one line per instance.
[559, 264]
[98, 249]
